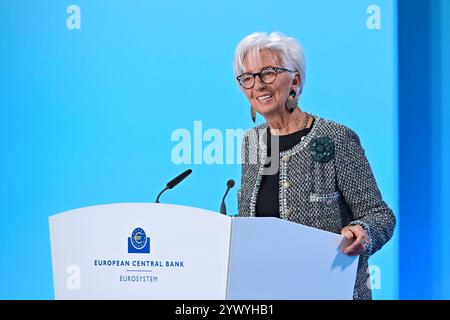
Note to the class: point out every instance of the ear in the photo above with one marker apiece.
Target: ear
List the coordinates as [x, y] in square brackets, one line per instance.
[296, 81]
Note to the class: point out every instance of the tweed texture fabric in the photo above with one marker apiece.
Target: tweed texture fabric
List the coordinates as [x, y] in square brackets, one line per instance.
[328, 194]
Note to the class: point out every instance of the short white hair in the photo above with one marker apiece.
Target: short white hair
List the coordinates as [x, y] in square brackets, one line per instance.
[288, 49]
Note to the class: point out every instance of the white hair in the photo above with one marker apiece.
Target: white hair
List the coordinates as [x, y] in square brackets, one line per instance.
[288, 49]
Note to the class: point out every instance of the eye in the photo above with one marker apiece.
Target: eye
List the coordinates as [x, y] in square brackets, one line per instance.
[268, 75]
[268, 72]
[246, 77]
[246, 80]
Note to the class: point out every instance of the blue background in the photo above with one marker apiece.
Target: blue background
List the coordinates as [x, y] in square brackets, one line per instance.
[424, 153]
[86, 116]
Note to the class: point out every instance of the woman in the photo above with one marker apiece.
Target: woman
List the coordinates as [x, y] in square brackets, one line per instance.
[300, 167]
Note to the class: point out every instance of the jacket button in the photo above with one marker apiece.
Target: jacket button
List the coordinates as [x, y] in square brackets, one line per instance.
[285, 158]
[286, 184]
[287, 212]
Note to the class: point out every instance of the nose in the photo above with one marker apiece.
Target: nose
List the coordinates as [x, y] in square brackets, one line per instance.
[259, 85]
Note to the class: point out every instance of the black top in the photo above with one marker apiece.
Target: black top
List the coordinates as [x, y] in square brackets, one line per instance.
[267, 200]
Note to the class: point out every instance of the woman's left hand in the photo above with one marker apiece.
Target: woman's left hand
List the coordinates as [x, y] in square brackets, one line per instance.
[358, 240]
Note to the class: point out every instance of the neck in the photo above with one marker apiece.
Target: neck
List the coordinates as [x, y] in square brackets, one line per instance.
[286, 123]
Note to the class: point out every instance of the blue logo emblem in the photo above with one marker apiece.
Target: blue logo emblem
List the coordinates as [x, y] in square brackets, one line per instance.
[138, 242]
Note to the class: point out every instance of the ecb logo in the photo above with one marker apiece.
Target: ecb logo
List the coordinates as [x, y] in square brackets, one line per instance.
[138, 242]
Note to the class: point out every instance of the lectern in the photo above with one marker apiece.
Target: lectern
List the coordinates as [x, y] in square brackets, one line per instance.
[162, 251]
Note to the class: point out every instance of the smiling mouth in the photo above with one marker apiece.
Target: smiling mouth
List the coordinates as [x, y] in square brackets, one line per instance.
[264, 98]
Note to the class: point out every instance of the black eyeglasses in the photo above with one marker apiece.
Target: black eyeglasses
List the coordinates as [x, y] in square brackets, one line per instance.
[267, 75]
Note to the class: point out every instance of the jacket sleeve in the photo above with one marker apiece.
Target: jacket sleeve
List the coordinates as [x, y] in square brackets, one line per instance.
[360, 191]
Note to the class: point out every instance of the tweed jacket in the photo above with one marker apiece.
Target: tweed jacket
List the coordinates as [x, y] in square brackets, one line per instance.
[327, 194]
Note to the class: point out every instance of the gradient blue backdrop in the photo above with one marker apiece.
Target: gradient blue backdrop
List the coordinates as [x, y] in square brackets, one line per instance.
[424, 114]
[87, 115]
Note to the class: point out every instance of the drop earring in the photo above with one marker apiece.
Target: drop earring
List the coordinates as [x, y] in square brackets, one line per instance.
[252, 114]
[291, 104]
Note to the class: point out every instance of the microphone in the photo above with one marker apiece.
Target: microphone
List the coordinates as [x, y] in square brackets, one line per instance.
[174, 182]
[223, 208]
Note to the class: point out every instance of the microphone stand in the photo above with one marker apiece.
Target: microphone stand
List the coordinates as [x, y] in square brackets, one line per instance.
[223, 208]
[157, 198]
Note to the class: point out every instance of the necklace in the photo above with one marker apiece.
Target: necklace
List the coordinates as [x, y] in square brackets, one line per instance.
[305, 123]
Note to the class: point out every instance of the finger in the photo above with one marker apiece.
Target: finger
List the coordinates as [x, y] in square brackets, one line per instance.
[360, 232]
[349, 249]
[361, 237]
[356, 251]
[348, 234]
[358, 243]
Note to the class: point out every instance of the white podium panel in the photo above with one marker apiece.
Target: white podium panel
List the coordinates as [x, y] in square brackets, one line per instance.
[140, 251]
[274, 259]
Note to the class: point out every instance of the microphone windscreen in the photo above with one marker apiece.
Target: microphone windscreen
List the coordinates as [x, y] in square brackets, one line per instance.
[178, 179]
[230, 183]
